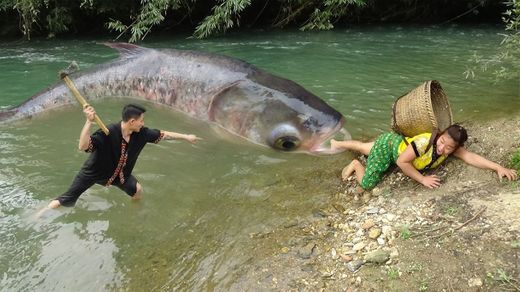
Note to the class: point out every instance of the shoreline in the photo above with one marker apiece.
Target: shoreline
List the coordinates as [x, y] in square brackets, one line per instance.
[464, 235]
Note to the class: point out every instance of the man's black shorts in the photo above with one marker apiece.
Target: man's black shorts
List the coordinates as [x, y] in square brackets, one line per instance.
[81, 184]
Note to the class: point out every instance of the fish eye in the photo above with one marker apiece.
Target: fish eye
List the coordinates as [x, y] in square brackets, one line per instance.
[285, 137]
[287, 143]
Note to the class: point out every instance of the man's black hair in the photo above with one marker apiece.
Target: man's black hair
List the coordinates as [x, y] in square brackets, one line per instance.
[132, 111]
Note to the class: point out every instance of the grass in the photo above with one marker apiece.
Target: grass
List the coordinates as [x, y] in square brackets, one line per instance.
[423, 285]
[405, 232]
[452, 210]
[415, 267]
[515, 160]
[503, 279]
[393, 274]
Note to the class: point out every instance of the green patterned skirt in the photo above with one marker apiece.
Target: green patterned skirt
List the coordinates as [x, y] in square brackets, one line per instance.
[381, 156]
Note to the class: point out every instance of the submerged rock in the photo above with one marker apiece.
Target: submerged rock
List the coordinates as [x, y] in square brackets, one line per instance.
[306, 251]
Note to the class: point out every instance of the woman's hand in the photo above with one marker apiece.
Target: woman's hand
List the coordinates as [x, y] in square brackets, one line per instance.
[431, 181]
[510, 174]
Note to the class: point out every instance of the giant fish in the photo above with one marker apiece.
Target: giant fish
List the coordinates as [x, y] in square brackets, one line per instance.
[237, 96]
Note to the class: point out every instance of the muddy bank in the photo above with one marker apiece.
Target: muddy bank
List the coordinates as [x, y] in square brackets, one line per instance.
[463, 236]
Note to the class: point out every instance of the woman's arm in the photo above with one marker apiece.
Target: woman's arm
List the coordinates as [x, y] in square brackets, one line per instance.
[172, 135]
[476, 160]
[405, 164]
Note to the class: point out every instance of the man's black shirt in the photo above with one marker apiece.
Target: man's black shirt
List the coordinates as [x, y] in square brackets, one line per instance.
[106, 151]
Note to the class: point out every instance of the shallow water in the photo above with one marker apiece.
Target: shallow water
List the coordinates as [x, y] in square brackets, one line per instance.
[202, 202]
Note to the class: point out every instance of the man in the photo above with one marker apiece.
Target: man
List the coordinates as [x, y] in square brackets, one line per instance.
[113, 157]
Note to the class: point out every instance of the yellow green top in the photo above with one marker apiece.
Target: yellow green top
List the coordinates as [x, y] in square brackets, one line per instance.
[421, 143]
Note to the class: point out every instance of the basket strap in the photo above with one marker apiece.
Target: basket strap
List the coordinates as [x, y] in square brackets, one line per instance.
[433, 139]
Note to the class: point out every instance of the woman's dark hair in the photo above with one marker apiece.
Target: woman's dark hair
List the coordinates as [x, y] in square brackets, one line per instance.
[457, 133]
[132, 111]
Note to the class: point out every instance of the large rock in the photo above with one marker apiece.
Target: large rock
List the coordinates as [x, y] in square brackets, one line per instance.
[377, 256]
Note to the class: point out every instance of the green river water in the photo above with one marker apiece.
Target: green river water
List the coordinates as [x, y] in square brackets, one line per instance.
[202, 202]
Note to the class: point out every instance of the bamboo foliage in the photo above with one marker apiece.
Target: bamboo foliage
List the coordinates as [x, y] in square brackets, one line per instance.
[134, 20]
[505, 63]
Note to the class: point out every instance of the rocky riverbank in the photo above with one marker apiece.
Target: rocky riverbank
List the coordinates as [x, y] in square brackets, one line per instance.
[463, 236]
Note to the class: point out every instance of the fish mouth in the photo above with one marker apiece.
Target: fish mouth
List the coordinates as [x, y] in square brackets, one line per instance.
[339, 133]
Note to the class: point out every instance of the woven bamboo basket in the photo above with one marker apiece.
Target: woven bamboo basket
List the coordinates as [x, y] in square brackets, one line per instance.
[422, 110]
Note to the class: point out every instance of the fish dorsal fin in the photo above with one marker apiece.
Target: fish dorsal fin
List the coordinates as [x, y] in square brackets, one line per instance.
[126, 50]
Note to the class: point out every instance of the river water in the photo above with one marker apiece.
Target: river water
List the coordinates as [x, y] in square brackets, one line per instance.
[203, 203]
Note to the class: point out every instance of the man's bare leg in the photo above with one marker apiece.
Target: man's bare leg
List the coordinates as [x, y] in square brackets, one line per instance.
[52, 205]
[138, 192]
[362, 147]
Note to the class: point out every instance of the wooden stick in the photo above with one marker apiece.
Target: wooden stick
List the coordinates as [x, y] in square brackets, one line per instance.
[458, 227]
[472, 218]
[83, 102]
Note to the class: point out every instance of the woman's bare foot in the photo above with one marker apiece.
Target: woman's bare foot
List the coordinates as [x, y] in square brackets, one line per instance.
[346, 173]
[349, 169]
[333, 145]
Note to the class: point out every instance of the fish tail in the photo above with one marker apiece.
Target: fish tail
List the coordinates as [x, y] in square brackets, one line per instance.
[7, 114]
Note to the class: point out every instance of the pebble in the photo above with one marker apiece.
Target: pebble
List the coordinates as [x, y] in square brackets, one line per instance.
[387, 231]
[374, 233]
[359, 246]
[353, 266]
[334, 253]
[390, 217]
[475, 282]
[346, 258]
[394, 253]
[373, 210]
[381, 241]
[368, 224]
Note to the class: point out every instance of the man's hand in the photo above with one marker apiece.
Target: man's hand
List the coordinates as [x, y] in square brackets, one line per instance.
[431, 181]
[89, 112]
[192, 138]
[510, 174]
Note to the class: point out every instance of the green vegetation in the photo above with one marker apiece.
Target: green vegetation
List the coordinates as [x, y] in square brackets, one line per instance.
[515, 161]
[503, 279]
[135, 20]
[452, 210]
[392, 273]
[505, 64]
[405, 232]
[423, 285]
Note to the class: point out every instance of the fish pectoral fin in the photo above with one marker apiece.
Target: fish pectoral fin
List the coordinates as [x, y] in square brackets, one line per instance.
[216, 95]
[126, 50]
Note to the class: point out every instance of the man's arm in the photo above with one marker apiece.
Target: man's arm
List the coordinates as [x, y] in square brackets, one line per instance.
[405, 164]
[172, 135]
[476, 160]
[84, 136]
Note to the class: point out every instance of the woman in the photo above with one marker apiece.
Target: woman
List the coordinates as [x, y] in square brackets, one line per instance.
[412, 155]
